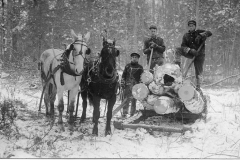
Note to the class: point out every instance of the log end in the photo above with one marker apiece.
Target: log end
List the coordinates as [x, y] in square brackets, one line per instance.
[118, 125]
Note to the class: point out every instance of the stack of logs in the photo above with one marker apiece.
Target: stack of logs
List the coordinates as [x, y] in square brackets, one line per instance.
[156, 91]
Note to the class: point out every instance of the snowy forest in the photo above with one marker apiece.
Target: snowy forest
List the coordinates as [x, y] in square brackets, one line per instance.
[29, 27]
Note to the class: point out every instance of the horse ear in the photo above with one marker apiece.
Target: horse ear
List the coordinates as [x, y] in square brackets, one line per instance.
[73, 34]
[87, 36]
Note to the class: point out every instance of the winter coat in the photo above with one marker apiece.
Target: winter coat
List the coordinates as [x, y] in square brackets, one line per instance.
[132, 73]
[158, 51]
[189, 40]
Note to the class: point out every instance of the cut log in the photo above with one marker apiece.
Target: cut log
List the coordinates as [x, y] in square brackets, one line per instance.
[186, 92]
[171, 70]
[140, 91]
[156, 89]
[180, 129]
[196, 104]
[146, 77]
[147, 105]
[165, 105]
[151, 99]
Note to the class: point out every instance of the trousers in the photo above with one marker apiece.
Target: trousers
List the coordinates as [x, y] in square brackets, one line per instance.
[198, 63]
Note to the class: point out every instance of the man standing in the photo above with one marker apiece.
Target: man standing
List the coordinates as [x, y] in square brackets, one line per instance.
[156, 43]
[191, 42]
[131, 76]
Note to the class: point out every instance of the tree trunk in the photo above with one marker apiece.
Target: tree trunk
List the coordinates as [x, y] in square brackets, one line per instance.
[153, 11]
[135, 29]
[197, 14]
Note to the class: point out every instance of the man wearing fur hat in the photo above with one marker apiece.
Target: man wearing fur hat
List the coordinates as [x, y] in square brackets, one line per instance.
[191, 42]
[131, 76]
[156, 43]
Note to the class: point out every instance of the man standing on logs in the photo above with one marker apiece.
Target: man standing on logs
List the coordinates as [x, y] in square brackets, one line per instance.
[193, 46]
[156, 44]
[130, 77]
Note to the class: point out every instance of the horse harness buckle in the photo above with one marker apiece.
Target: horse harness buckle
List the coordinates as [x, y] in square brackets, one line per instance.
[89, 80]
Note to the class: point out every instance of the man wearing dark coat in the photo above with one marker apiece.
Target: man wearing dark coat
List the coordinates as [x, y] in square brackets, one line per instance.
[131, 76]
[157, 44]
[191, 42]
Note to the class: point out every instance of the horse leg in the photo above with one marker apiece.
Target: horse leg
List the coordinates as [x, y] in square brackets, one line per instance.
[46, 102]
[111, 103]
[72, 97]
[47, 99]
[96, 114]
[52, 97]
[60, 109]
[84, 106]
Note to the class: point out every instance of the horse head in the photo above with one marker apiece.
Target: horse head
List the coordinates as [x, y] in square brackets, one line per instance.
[108, 58]
[79, 49]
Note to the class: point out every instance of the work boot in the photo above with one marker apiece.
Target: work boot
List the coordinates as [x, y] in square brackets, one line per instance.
[198, 82]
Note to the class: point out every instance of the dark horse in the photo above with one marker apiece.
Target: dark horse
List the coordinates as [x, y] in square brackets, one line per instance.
[100, 81]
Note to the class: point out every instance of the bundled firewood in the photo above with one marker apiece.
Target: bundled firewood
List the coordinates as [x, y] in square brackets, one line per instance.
[154, 88]
[160, 90]
[157, 90]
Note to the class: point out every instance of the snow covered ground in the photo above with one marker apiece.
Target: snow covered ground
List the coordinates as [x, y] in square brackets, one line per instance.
[33, 137]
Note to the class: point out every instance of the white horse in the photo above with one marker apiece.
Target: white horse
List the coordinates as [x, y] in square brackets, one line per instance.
[62, 70]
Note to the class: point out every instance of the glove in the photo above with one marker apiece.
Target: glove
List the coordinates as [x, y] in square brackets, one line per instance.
[193, 52]
[204, 34]
[198, 38]
[153, 45]
[186, 49]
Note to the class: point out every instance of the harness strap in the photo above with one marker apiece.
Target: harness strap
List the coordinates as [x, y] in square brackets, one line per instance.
[62, 78]
[51, 73]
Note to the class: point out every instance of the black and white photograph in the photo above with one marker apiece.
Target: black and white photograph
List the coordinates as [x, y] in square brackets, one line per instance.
[120, 79]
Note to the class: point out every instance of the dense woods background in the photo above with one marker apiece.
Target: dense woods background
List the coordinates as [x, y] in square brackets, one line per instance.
[28, 27]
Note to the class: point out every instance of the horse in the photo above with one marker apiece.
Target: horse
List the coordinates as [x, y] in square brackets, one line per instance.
[60, 71]
[100, 81]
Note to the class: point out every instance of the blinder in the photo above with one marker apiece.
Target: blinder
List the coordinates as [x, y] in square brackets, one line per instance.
[88, 51]
[118, 52]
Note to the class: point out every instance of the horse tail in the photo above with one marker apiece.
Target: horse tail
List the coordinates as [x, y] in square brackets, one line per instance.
[43, 75]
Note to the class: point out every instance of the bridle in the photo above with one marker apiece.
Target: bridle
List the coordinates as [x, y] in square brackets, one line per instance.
[83, 43]
[65, 58]
[109, 46]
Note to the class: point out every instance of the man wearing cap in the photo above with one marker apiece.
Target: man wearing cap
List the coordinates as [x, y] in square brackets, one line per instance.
[156, 43]
[191, 42]
[131, 76]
